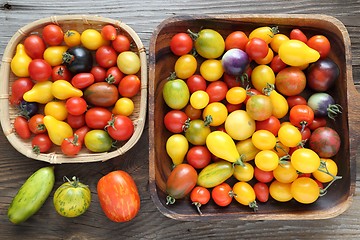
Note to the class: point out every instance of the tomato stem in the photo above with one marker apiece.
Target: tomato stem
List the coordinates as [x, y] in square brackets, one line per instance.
[253, 205]
[170, 200]
[208, 120]
[333, 110]
[74, 182]
[193, 35]
[172, 76]
[198, 205]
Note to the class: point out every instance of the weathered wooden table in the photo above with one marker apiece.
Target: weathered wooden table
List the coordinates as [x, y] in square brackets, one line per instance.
[143, 17]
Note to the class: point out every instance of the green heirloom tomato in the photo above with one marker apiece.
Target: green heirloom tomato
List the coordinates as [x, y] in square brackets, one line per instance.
[176, 94]
[209, 43]
[72, 198]
[98, 141]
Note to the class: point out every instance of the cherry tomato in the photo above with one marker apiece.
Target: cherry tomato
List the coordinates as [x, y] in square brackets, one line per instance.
[271, 124]
[246, 149]
[198, 157]
[120, 128]
[218, 113]
[289, 135]
[263, 139]
[317, 122]
[98, 140]
[244, 172]
[305, 133]
[52, 34]
[76, 121]
[279, 191]
[277, 64]
[263, 176]
[76, 105]
[197, 131]
[290, 81]
[236, 39]
[222, 194]
[40, 70]
[36, 124]
[60, 72]
[82, 80]
[196, 82]
[261, 76]
[114, 75]
[217, 91]
[57, 109]
[297, 34]
[285, 173]
[305, 190]
[99, 73]
[236, 95]
[106, 56]
[199, 196]
[277, 40]
[257, 48]
[261, 191]
[91, 39]
[245, 194]
[41, 143]
[71, 146]
[199, 99]
[72, 38]
[123, 106]
[22, 128]
[174, 121]
[121, 43]
[18, 88]
[325, 141]
[34, 46]
[266, 160]
[251, 92]
[266, 33]
[327, 171]
[181, 44]
[233, 107]
[231, 80]
[259, 107]
[301, 115]
[267, 59]
[305, 160]
[129, 86]
[128, 62]
[97, 117]
[185, 66]
[108, 32]
[81, 132]
[296, 100]
[321, 44]
[192, 112]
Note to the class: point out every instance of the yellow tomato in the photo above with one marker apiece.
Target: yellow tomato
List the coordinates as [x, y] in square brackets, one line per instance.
[222, 145]
[267, 59]
[20, 62]
[279, 191]
[245, 194]
[247, 150]
[176, 147]
[296, 53]
[239, 125]
[261, 76]
[218, 113]
[57, 130]
[92, 39]
[305, 190]
[327, 171]
[40, 93]
[123, 106]
[72, 38]
[277, 41]
[263, 139]
[266, 160]
[211, 69]
[199, 99]
[285, 173]
[266, 33]
[54, 54]
[62, 89]
[57, 109]
[279, 102]
[244, 172]
[289, 135]
[236, 95]
[128, 62]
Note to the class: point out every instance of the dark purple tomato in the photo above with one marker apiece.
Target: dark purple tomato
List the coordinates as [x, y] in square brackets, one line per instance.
[322, 75]
[325, 141]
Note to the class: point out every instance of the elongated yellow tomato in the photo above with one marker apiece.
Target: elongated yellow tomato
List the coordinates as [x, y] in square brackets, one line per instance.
[267, 160]
[40, 93]
[247, 149]
[261, 76]
[62, 89]
[176, 147]
[305, 160]
[185, 66]
[266, 33]
[296, 53]
[20, 62]
[289, 135]
[245, 194]
[215, 174]
[305, 190]
[279, 191]
[280, 105]
[223, 146]
[327, 170]
[285, 173]
[57, 109]
[239, 125]
[57, 130]
[54, 54]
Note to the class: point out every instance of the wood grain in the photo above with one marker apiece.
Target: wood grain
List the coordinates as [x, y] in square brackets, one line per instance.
[143, 17]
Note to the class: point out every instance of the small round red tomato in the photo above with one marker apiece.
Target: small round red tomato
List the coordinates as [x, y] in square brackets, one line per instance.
[277, 64]
[36, 124]
[236, 39]
[108, 32]
[76, 105]
[263, 176]
[81, 132]
[22, 128]
[114, 75]
[290, 81]
[41, 143]
[261, 191]
[181, 44]
[257, 48]
[82, 80]
[317, 122]
[120, 128]
[321, 44]
[217, 91]
[174, 121]
[61, 72]
[233, 107]
[40, 70]
[271, 124]
[76, 121]
[18, 88]
[99, 73]
[71, 146]
[34, 46]
[198, 157]
[301, 115]
[97, 117]
[196, 82]
[296, 100]
[106, 56]
[199, 196]
[121, 43]
[297, 34]
[129, 86]
[222, 194]
[53, 34]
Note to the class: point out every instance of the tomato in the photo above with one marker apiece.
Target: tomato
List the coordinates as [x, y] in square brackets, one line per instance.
[176, 94]
[222, 194]
[289, 135]
[257, 48]
[76, 121]
[271, 124]
[199, 99]
[246, 149]
[285, 173]
[327, 171]
[267, 59]
[92, 39]
[261, 191]
[263, 176]
[281, 192]
[128, 62]
[98, 140]
[54, 55]
[62, 90]
[20, 62]
[245, 194]
[196, 131]
[266, 33]
[180, 182]
[76, 105]
[251, 92]
[266, 160]
[118, 196]
[297, 34]
[277, 64]
[36, 124]
[60, 72]
[322, 75]
[296, 53]
[52, 34]
[121, 43]
[192, 113]
[108, 32]
[81, 132]
[239, 125]
[72, 198]
[305, 160]
[185, 66]
[325, 141]
[18, 88]
[57, 109]
[209, 43]
[296, 100]
[120, 128]
[261, 76]
[114, 75]
[34, 46]
[106, 56]
[236, 39]
[97, 117]
[321, 44]
[290, 81]
[305, 133]
[231, 80]
[82, 80]
[72, 38]
[236, 95]
[101, 94]
[78, 60]
[174, 121]
[223, 146]
[244, 172]
[277, 40]
[263, 139]
[22, 128]
[211, 69]
[278, 101]
[199, 196]
[196, 82]
[217, 91]
[181, 44]
[99, 73]
[259, 107]
[28, 109]
[215, 173]
[198, 157]
[233, 107]
[71, 146]
[301, 115]
[305, 190]
[39, 70]
[41, 143]
[129, 86]
[218, 113]
[317, 122]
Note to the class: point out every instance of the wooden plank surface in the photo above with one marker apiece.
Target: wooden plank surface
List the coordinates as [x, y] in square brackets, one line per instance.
[143, 17]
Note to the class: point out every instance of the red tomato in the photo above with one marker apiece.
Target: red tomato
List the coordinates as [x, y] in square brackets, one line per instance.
[114, 75]
[76, 105]
[81, 132]
[296, 100]
[40, 70]
[261, 191]
[18, 88]
[106, 56]
[317, 122]
[34, 46]
[61, 72]
[263, 176]
[41, 143]
[118, 196]
[174, 121]
[231, 81]
[236, 39]
[121, 43]
[36, 124]
[71, 146]
[305, 133]
[198, 156]
[301, 115]
[99, 73]
[217, 91]
[76, 121]
[325, 141]
[271, 124]
[199, 196]
[192, 112]
[97, 117]
[129, 86]
[195, 83]
[82, 80]
[108, 32]
[257, 48]
[22, 128]
[321, 44]
[222, 194]
[53, 34]
[181, 44]
[277, 64]
[120, 128]
[233, 107]
[297, 34]
[290, 81]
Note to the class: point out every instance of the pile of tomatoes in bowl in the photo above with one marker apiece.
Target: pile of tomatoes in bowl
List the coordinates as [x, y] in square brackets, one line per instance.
[74, 89]
[248, 117]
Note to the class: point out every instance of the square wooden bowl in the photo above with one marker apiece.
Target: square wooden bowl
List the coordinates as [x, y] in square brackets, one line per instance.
[9, 112]
[340, 194]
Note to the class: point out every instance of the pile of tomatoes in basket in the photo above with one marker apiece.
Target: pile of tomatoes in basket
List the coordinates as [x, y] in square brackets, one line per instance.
[248, 116]
[75, 88]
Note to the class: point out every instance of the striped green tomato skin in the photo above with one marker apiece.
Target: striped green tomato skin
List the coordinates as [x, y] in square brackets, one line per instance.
[72, 199]
[32, 195]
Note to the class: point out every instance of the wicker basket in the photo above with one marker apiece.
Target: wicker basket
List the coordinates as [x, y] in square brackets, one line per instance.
[9, 112]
